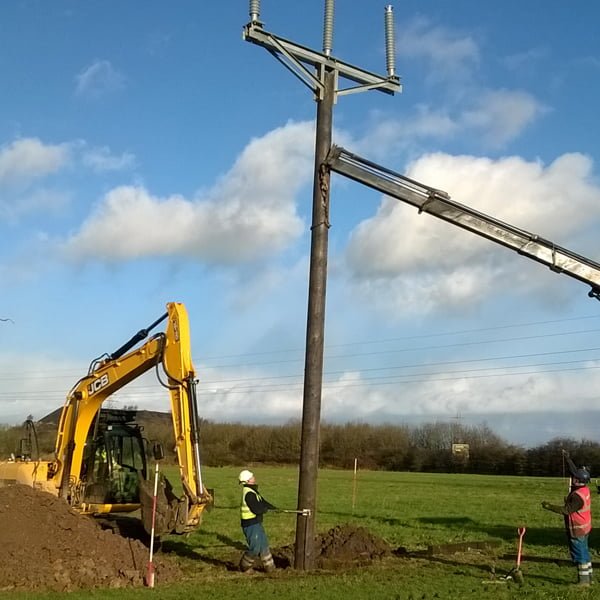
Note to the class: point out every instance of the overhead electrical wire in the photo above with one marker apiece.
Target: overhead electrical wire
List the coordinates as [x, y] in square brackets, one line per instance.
[268, 383]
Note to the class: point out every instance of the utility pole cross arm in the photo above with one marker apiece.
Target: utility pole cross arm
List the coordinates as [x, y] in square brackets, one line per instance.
[297, 56]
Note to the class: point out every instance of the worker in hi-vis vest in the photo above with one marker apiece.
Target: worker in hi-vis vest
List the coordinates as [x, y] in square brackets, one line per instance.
[252, 509]
[577, 512]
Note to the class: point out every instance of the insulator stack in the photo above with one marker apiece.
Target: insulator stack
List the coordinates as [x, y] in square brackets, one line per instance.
[328, 28]
[390, 42]
[254, 11]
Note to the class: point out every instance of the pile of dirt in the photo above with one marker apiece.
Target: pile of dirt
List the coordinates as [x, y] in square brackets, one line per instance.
[349, 544]
[47, 545]
[343, 546]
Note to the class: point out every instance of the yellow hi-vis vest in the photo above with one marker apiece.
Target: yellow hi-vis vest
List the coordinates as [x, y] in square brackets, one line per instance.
[245, 512]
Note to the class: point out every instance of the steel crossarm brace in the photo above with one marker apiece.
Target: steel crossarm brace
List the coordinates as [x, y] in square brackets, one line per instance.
[299, 55]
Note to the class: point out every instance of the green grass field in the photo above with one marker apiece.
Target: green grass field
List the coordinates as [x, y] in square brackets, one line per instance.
[409, 510]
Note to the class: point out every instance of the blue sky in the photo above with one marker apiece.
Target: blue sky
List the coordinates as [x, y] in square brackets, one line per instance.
[148, 154]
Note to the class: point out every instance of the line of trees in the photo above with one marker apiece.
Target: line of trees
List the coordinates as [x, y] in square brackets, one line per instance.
[426, 448]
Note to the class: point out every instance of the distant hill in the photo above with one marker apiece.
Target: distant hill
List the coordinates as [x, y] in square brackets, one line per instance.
[144, 417]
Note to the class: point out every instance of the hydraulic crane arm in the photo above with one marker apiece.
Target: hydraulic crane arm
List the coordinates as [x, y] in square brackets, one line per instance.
[438, 203]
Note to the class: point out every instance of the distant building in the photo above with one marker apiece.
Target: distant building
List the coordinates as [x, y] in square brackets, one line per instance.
[460, 451]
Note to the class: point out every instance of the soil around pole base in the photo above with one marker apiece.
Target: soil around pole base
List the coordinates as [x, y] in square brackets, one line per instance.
[340, 547]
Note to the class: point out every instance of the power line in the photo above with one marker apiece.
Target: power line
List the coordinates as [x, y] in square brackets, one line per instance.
[135, 391]
[40, 374]
[364, 370]
[406, 338]
[268, 383]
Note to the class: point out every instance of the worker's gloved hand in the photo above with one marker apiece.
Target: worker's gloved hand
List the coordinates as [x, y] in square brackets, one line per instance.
[549, 506]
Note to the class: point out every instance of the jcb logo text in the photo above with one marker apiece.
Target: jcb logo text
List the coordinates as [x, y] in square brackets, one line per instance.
[98, 384]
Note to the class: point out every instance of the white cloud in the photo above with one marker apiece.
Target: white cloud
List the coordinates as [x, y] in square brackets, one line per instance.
[27, 159]
[463, 107]
[41, 387]
[37, 201]
[102, 159]
[230, 395]
[491, 117]
[393, 401]
[501, 115]
[446, 394]
[526, 60]
[450, 55]
[98, 79]
[426, 264]
[248, 214]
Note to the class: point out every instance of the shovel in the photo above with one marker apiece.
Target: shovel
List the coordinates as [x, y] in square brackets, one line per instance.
[516, 573]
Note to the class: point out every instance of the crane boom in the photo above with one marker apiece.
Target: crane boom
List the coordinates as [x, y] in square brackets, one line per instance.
[438, 203]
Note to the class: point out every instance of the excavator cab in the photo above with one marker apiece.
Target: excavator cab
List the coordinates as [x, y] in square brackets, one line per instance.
[114, 459]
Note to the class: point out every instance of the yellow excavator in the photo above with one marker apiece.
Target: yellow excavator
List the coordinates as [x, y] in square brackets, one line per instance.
[100, 463]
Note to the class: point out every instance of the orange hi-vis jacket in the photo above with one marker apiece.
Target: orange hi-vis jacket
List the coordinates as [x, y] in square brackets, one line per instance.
[580, 522]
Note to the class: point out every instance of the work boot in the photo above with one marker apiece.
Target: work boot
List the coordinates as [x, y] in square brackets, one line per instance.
[268, 562]
[246, 562]
[583, 574]
[591, 572]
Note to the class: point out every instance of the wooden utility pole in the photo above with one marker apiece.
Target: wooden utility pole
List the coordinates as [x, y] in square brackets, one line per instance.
[315, 330]
[321, 73]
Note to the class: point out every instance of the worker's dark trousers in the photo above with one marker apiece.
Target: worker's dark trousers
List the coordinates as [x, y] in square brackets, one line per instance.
[258, 548]
[580, 555]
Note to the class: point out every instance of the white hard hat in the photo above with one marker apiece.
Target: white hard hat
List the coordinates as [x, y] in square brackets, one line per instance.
[245, 476]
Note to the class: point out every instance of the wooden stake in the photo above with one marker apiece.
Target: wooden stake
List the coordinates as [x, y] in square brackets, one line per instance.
[354, 485]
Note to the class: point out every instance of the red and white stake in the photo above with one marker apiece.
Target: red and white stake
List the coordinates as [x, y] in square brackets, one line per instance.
[150, 571]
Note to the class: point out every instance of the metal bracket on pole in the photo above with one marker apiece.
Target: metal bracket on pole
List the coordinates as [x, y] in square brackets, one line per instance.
[294, 57]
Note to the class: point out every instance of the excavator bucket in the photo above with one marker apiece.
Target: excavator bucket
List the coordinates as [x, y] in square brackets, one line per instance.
[168, 506]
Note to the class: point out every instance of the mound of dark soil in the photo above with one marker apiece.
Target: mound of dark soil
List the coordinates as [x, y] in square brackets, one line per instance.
[343, 546]
[349, 544]
[47, 545]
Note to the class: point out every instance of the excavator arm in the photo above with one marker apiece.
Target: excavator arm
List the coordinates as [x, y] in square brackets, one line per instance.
[177, 363]
[87, 396]
[438, 203]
